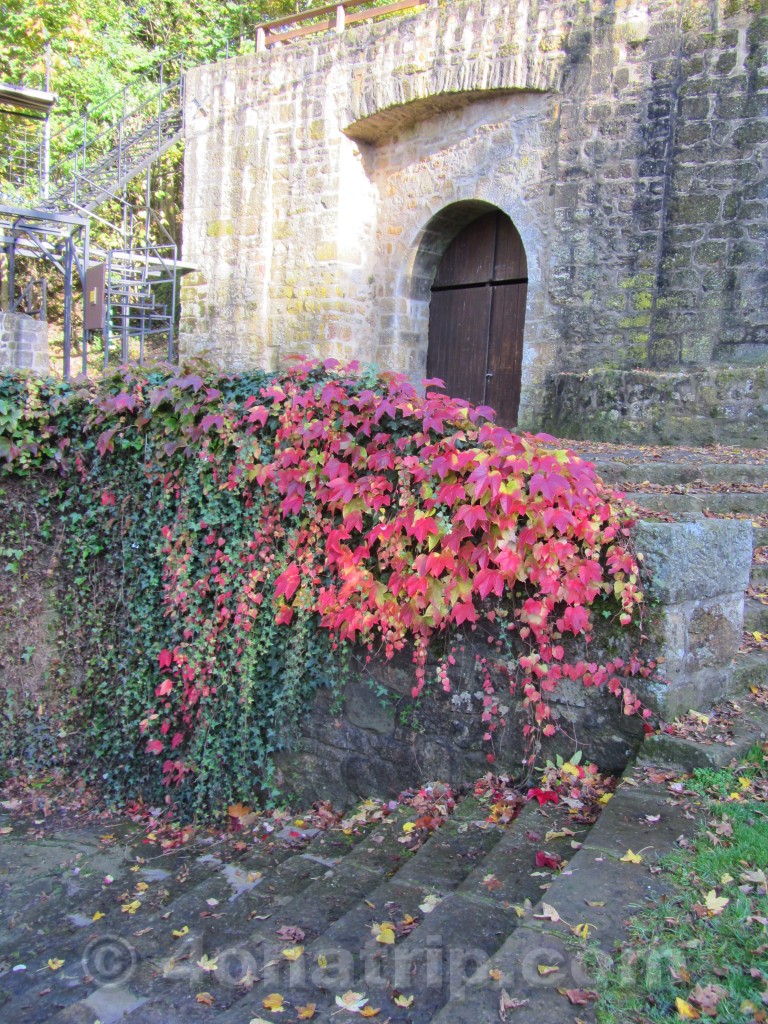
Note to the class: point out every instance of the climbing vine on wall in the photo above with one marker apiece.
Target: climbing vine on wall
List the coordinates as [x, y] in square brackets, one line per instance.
[225, 535]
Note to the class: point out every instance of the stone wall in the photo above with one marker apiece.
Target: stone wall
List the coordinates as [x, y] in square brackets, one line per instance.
[380, 741]
[625, 139]
[23, 342]
[696, 405]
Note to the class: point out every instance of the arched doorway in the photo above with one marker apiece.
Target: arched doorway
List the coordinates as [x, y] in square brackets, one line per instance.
[477, 315]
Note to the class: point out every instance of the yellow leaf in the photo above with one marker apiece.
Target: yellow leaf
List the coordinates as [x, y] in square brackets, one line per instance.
[726, 878]
[384, 933]
[207, 963]
[322, 960]
[141, 887]
[238, 810]
[495, 975]
[273, 1002]
[545, 969]
[520, 911]
[369, 1011]
[179, 933]
[715, 904]
[205, 998]
[306, 1012]
[582, 930]
[403, 1000]
[136, 867]
[408, 827]
[632, 858]
[293, 952]
[605, 798]
[595, 903]
[131, 908]
[97, 916]
[685, 1010]
[55, 964]
[744, 782]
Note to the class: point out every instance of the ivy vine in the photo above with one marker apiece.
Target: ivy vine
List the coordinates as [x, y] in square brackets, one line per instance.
[225, 535]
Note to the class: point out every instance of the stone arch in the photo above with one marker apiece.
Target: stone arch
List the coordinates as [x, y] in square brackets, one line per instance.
[429, 249]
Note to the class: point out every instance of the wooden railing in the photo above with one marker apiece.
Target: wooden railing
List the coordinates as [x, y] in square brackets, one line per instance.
[330, 17]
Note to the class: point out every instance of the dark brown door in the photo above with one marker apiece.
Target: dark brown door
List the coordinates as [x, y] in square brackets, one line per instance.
[477, 316]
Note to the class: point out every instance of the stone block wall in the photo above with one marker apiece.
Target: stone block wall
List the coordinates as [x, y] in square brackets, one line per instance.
[23, 342]
[626, 139]
[380, 742]
[696, 405]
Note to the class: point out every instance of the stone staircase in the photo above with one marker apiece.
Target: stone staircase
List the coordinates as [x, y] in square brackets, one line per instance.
[452, 904]
[696, 483]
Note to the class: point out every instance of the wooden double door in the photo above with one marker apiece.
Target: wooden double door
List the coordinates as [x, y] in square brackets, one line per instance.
[477, 316]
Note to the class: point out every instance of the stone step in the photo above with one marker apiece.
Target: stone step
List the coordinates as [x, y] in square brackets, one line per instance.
[759, 576]
[596, 873]
[469, 923]
[750, 668]
[737, 502]
[712, 474]
[755, 616]
[79, 876]
[202, 875]
[336, 913]
[760, 537]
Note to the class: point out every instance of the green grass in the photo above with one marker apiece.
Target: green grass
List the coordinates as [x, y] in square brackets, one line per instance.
[682, 956]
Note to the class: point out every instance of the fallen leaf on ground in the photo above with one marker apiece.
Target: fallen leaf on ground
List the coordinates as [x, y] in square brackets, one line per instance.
[685, 1010]
[352, 1001]
[370, 1011]
[207, 963]
[179, 933]
[429, 904]
[205, 998]
[97, 916]
[548, 860]
[290, 933]
[55, 964]
[293, 953]
[131, 908]
[707, 997]
[306, 1012]
[715, 904]
[545, 969]
[401, 1000]
[507, 1003]
[548, 913]
[578, 996]
[384, 932]
[274, 1002]
[631, 858]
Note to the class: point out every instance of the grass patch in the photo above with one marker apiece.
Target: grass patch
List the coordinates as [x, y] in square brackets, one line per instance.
[702, 953]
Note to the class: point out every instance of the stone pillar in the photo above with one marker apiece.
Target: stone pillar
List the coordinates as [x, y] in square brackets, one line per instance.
[698, 575]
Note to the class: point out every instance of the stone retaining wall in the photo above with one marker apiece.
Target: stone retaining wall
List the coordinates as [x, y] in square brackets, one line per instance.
[380, 741]
[23, 342]
[695, 405]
